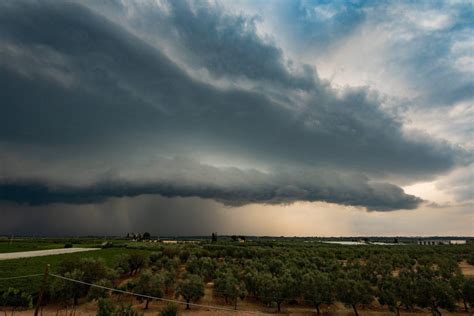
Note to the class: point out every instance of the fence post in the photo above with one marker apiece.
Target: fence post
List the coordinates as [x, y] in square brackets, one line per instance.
[42, 289]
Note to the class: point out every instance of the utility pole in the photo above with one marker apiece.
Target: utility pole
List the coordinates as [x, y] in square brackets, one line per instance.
[42, 289]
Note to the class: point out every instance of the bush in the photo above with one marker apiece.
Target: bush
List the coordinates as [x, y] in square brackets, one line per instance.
[107, 308]
[16, 298]
[126, 311]
[155, 256]
[470, 259]
[169, 310]
[68, 245]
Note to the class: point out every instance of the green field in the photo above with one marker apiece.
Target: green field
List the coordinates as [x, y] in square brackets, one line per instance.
[26, 266]
[30, 244]
[18, 246]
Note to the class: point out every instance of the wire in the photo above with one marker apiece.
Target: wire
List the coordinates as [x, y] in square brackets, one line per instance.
[136, 294]
[151, 297]
[22, 276]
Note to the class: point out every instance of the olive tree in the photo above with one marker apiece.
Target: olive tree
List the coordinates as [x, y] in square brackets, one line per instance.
[148, 284]
[229, 287]
[468, 293]
[191, 288]
[96, 291]
[388, 293]
[276, 289]
[86, 270]
[353, 292]
[435, 294]
[317, 289]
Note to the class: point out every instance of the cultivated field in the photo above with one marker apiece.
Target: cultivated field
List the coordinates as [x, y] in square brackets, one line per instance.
[230, 277]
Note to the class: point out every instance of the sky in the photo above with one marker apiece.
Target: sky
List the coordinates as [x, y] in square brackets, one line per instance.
[295, 118]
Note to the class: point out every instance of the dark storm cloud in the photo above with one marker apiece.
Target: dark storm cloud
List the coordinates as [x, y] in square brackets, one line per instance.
[71, 77]
[227, 45]
[206, 36]
[231, 186]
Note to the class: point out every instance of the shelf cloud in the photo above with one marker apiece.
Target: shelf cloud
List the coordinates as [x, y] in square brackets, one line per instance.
[89, 89]
[231, 186]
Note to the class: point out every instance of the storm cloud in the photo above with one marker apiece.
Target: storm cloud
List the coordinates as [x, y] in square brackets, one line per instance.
[93, 94]
[231, 186]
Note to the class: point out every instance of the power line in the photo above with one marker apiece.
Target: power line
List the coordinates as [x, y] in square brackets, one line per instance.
[22, 276]
[137, 294]
[141, 295]
[151, 297]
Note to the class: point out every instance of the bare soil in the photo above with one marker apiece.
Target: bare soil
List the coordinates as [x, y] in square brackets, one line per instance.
[467, 269]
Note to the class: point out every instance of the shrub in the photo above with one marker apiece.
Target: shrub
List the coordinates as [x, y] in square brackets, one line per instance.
[470, 259]
[169, 310]
[126, 310]
[105, 307]
[16, 298]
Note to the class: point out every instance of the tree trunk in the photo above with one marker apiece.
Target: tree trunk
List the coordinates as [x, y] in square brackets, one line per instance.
[279, 306]
[76, 300]
[317, 310]
[397, 311]
[146, 303]
[435, 311]
[465, 305]
[355, 310]
[187, 304]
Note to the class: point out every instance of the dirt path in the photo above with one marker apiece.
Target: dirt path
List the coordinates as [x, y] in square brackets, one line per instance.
[467, 269]
[39, 253]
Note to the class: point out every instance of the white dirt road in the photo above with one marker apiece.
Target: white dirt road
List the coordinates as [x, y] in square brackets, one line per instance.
[39, 253]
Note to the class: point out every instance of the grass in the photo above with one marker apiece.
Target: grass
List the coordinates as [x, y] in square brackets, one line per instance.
[29, 244]
[26, 266]
[17, 246]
